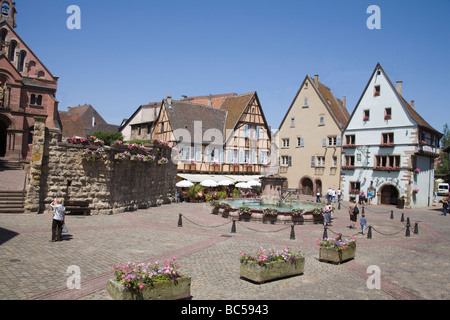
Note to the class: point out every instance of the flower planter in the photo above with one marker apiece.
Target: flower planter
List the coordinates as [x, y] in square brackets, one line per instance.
[159, 290]
[271, 271]
[337, 256]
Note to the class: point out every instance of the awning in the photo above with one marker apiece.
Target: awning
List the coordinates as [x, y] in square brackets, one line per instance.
[217, 177]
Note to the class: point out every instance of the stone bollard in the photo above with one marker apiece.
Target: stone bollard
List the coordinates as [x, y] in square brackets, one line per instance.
[233, 227]
[369, 233]
[402, 219]
[180, 221]
[325, 233]
[416, 228]
[392, 214]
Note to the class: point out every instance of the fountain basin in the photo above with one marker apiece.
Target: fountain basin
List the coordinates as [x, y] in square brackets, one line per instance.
[290, 212]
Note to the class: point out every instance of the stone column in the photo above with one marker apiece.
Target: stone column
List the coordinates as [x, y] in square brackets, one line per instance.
[32, 201]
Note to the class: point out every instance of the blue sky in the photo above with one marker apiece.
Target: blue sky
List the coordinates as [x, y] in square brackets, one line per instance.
[129, 53]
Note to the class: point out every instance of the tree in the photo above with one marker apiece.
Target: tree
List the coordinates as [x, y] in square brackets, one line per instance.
[443, 167]
[108, 137]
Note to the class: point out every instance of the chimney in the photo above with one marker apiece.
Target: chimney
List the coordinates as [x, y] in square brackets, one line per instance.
[316, 80]
[169, 101]
[344, 101]
[209, 101]
[399, 87]
[183, 97]
[412, 104]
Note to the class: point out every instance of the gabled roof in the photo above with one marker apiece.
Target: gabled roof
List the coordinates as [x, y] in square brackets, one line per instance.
[125, 122]
[216, 99]
[415, 116]
[335, 106]
[71, 125]
[4, 23]
[235, 107]
[183, 114]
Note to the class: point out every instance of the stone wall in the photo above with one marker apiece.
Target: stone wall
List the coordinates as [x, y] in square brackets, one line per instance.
[110, 185]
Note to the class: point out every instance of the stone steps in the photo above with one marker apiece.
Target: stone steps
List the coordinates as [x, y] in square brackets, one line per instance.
[10, 165]
[12, 201]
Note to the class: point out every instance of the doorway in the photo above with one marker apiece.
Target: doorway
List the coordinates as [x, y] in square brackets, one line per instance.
[389, 195]
[306, 186]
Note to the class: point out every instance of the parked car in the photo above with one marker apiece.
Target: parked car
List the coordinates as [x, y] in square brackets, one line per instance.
[443, 189]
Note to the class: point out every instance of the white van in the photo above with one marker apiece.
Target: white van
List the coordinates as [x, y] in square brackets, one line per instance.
[443, 189]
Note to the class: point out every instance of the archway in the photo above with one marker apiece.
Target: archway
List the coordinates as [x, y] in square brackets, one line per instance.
[306, 186]
[3, 136]
[389, 194]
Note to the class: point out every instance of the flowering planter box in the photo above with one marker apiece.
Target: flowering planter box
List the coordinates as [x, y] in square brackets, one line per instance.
[159, 290]
[271, 271]
[337, 255]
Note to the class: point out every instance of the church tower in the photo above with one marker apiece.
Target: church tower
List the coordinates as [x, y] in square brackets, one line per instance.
[8, 12]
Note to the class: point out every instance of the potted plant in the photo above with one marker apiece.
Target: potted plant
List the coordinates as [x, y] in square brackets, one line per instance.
[337, 250]
[271, 264]
[149, 282]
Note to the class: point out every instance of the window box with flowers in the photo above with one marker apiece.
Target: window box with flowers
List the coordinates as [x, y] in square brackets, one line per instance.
[387, 145]
[78, 140]
[94, 141]
[386, 168]
[123, 156]
[337, 250]
[349, 167]
[270, 264]
[149, 282]
[349, 146]
[270, 215]
[93, 154]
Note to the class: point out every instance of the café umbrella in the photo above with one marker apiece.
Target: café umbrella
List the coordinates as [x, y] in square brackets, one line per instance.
[184, 184]
[208, 183]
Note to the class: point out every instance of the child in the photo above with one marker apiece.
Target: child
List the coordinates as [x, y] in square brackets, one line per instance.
[363, 221]
[58, 218]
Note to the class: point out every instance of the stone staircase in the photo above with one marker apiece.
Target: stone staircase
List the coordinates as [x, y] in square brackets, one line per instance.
[10, 165]
[12, 201]
[12, 198]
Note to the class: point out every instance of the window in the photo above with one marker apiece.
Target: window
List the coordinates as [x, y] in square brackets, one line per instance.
[162, 127]
[305, 103]
[285, 143]
[292, 122]
[349, 161]
[387, 139]
[12, 50]
[366, 115]
[377, 90]
[332, 141]
[300, 142]
[321, 120]
[350, 140]
[39, 100]
[387, 161]
[355, 187]
[387, 114]
[21, 62]
[286, 161]
[320, 161]
[33, 99]
[334, 161]
[5, 9]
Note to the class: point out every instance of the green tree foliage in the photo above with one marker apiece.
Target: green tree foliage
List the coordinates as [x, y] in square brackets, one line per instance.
[443, 168]
[108, 137]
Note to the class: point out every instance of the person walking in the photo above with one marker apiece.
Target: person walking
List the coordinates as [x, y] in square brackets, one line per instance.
[58, 217]
[318, 195]
[363, 222]
[353, 213]
[327, 216]
[445, 206]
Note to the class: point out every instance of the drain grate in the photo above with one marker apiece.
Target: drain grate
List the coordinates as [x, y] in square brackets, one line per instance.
[14, 260]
